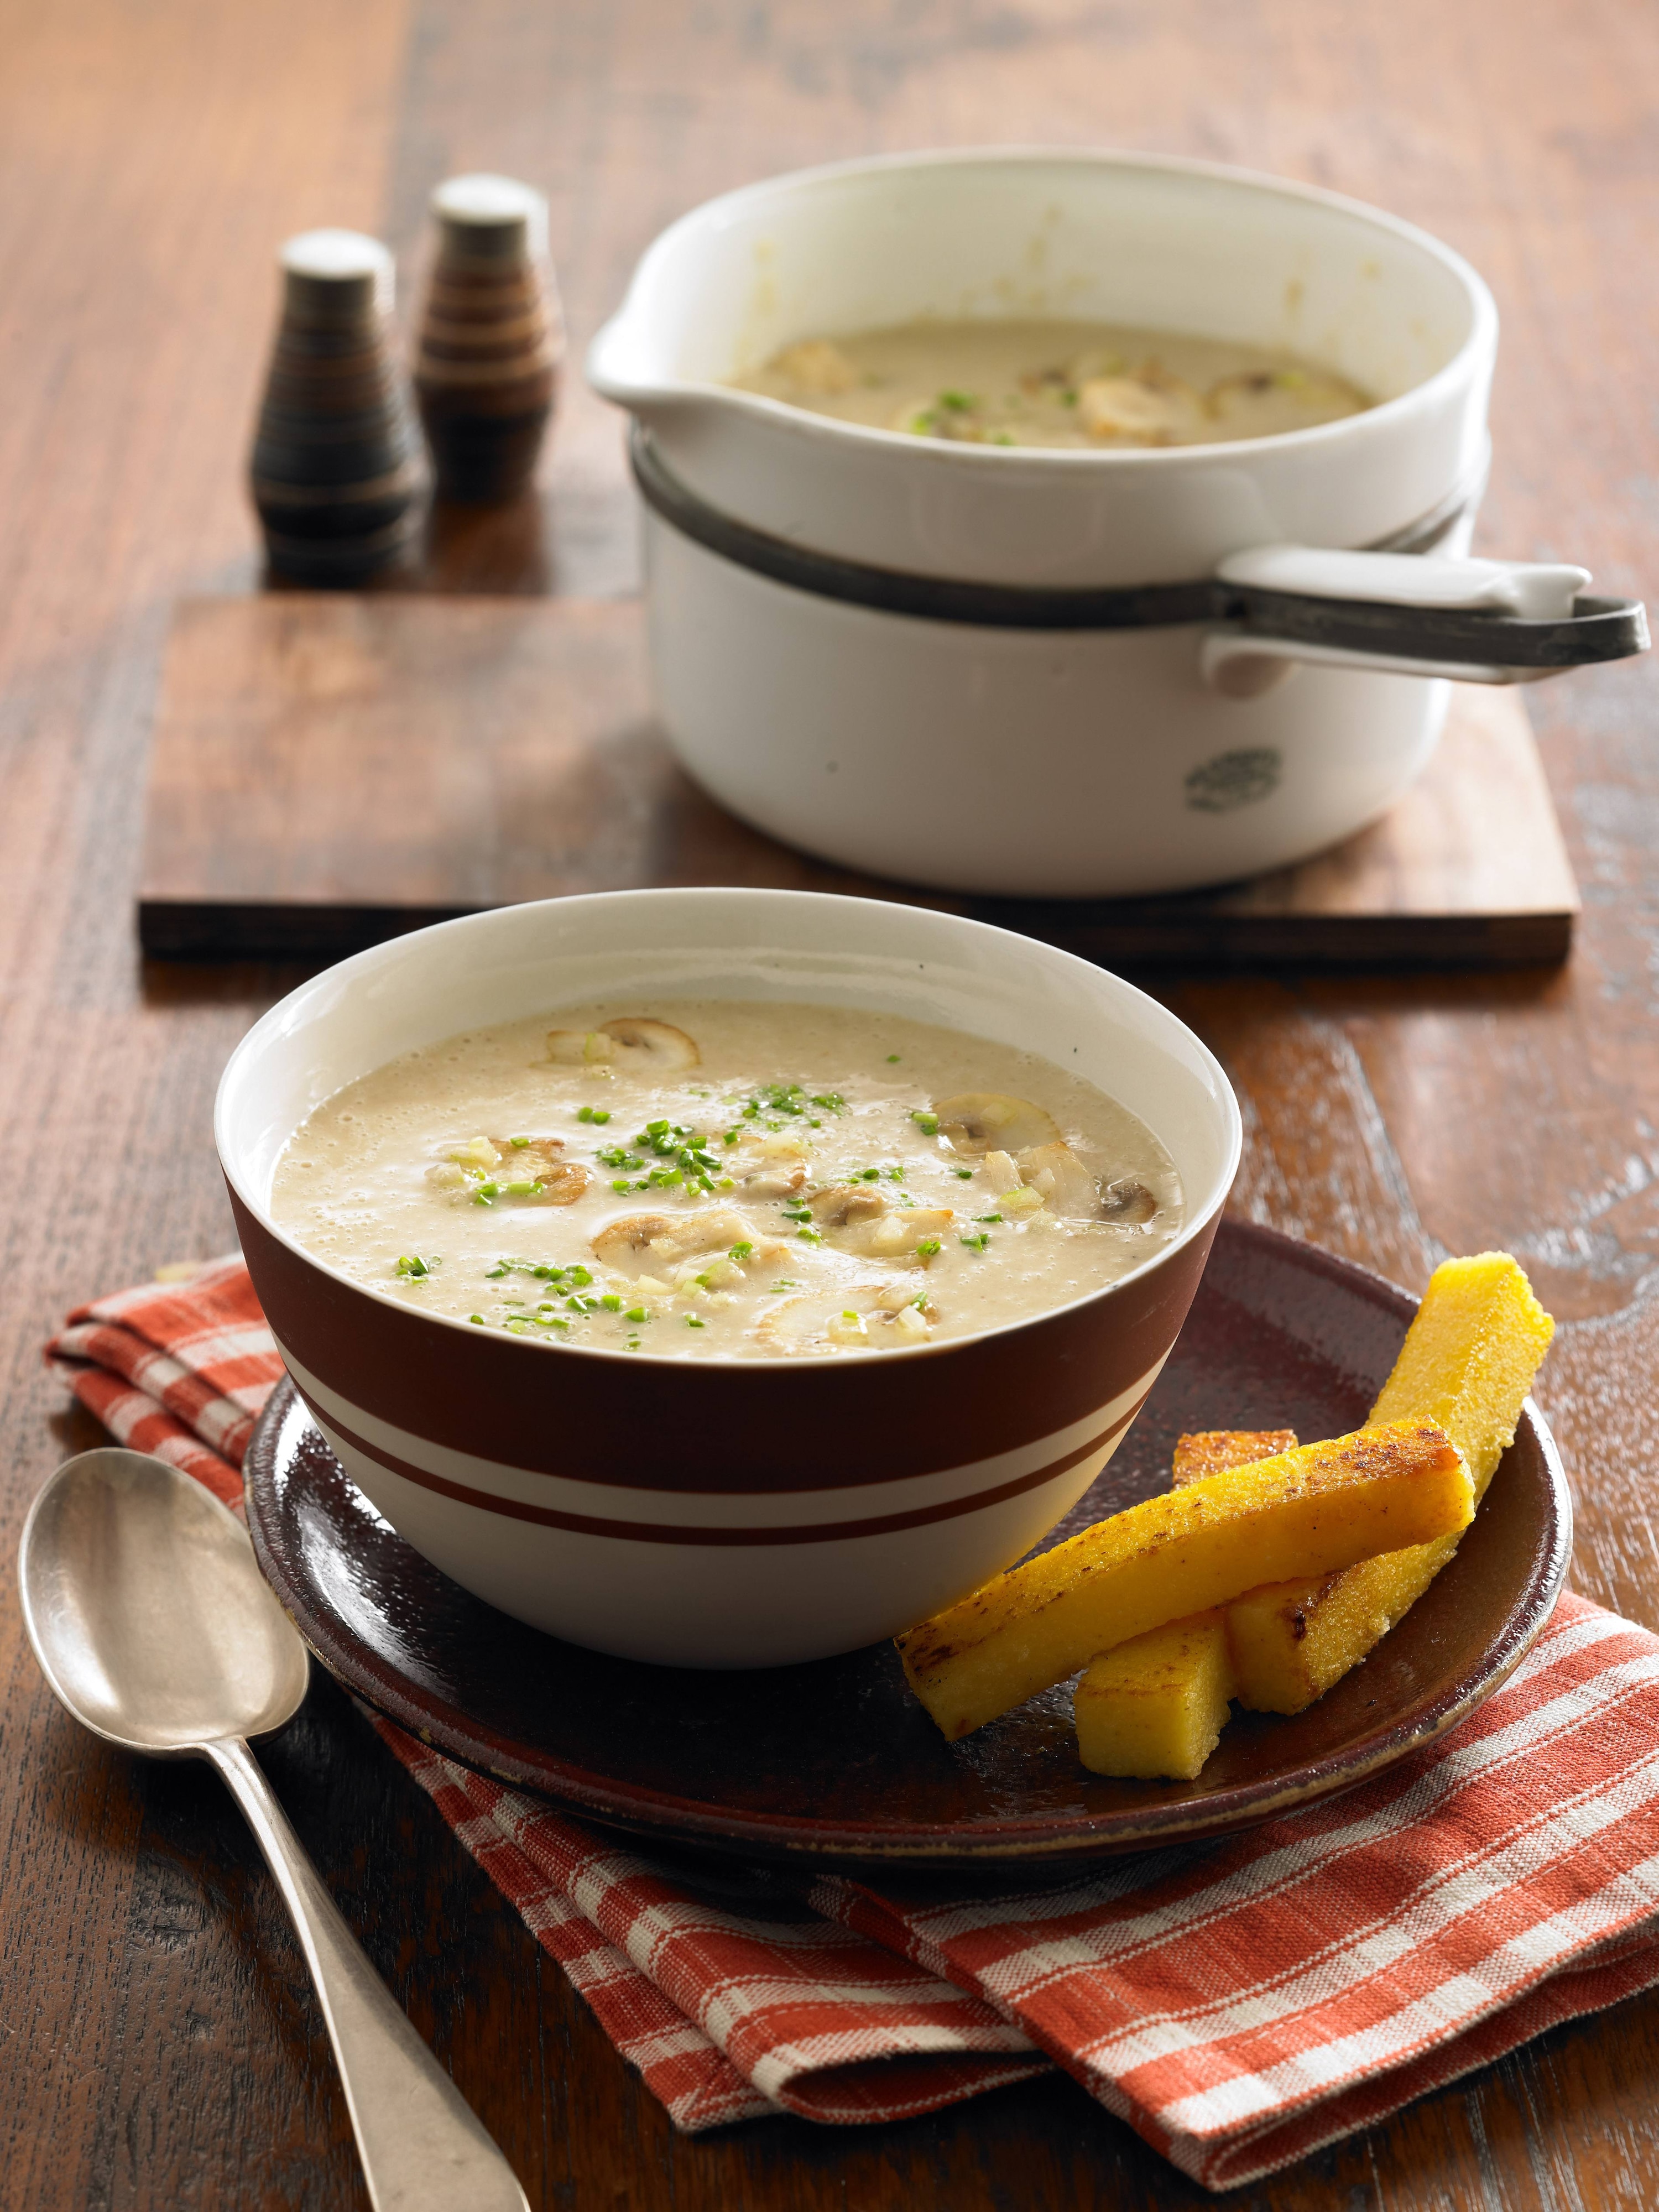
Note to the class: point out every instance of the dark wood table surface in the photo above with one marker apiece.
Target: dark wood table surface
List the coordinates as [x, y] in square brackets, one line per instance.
[159, 2046]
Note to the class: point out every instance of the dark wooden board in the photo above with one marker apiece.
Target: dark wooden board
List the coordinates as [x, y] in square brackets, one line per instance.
[328, 769]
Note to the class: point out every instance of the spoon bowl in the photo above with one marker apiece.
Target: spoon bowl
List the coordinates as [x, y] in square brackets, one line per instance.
[147, 1611]
[156, 1629]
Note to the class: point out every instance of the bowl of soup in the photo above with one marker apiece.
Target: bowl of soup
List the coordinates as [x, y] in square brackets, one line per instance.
[1067, 524]
[723, 1278]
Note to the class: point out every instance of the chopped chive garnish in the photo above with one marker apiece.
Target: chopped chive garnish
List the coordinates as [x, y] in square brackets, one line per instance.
[526, 1189]
[988, 1216]
[601, 1114]
[486, 1194]
[411, 1264]
[810, 1236]
[622, 1183]
[741, 1251]
[925, 1120]
[611, 1302]
[518, 1143]
[928, 1247]
[966, 1173]
[976, 1243]
[693, 1321]
[477, 1318]
[731, 1136]
[578, 1275]
[786, 1285]
[637, 1314]
[892, 1060]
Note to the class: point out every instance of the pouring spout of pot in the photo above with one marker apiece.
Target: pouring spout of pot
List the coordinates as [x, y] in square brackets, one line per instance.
[620, 368]
[625, 367]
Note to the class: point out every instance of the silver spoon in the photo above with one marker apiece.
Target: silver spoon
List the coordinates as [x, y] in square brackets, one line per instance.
[156, 1629]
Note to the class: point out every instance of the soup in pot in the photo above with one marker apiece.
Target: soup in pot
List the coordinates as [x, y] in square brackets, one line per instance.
[728, 1180]
[1071, 385]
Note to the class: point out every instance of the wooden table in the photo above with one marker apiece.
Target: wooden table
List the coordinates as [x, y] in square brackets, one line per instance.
[158, 2044]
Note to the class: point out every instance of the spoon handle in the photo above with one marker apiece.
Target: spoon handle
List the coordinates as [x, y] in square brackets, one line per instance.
[423, 2148]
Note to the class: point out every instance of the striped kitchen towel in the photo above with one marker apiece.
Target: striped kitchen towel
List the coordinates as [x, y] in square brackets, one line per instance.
[1239, 2004]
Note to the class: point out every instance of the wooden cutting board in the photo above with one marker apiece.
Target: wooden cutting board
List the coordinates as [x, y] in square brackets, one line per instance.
[329, 769]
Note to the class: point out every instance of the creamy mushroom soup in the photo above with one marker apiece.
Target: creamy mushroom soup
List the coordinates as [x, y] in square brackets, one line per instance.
[1082, 386]
[730, 1180]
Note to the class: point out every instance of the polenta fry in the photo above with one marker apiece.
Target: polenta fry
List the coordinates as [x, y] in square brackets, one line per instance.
[1301, 1513]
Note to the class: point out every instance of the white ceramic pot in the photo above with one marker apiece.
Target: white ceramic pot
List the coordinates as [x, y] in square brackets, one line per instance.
[1062, 674]
[719, 1513]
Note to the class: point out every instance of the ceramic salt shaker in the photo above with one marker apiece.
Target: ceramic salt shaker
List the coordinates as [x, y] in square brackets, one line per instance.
[491, 338]
[338, 473]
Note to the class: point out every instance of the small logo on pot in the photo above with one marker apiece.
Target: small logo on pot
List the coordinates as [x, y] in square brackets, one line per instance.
[1234, 778]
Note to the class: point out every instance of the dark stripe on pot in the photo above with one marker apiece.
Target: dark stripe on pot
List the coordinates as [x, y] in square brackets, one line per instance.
[955, 600]
[1597, 629]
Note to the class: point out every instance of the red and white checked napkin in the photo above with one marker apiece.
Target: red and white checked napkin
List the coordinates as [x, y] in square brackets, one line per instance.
[1239, 2004]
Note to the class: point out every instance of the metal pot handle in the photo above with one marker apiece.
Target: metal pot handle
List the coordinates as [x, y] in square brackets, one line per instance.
[1478, 621]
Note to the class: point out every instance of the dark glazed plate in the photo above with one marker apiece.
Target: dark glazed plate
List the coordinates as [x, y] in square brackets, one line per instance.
[834, 1764]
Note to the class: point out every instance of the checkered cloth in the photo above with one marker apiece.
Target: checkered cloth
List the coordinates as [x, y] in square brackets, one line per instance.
[1239, 2004]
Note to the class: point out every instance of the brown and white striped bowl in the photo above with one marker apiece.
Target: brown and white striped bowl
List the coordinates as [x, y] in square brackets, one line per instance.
[720, 1513]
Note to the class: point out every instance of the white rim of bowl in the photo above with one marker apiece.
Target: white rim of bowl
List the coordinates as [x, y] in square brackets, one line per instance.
[281, 1017]
[1482, 336]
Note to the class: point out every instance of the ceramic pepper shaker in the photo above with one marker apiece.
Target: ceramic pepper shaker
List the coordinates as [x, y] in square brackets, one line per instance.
[338, 473]
[491, 338]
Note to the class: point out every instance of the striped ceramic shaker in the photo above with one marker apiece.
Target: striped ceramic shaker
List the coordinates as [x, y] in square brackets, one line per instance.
[338, 476]
[491, 338]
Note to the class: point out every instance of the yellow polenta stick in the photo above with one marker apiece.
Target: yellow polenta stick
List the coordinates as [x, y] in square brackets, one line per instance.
[1157, 1705]
[1299, 1515]
[1468, 1363]
[1211, 1451]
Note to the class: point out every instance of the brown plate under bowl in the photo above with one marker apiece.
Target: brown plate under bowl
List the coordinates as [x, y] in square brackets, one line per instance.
[834, 1764]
